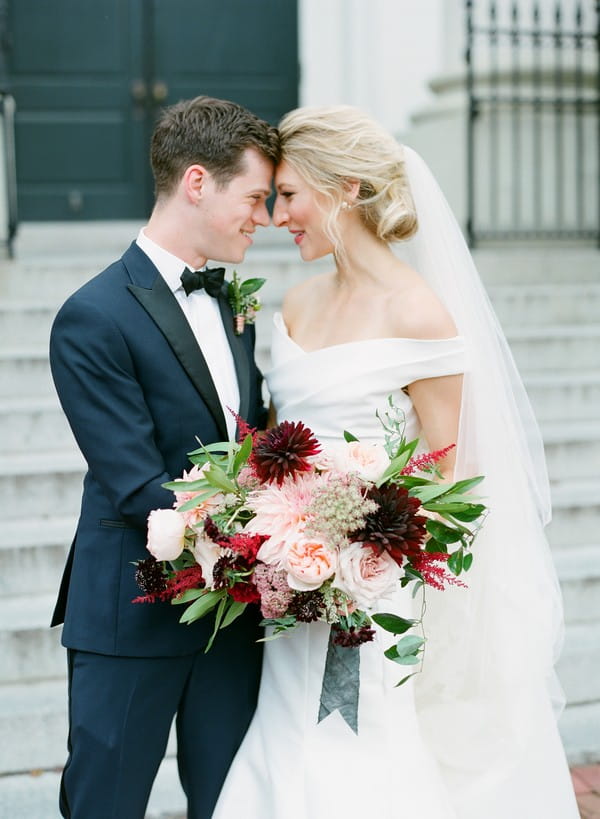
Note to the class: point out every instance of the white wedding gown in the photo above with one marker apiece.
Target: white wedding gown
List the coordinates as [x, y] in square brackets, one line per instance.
[291, 767]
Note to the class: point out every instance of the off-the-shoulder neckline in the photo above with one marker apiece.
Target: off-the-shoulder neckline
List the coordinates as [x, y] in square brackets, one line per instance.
[281, 325]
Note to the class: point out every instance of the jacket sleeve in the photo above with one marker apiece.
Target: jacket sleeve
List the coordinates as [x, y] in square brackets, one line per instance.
[95, 379]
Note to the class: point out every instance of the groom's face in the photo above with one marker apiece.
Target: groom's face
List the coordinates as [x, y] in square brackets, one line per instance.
[228, 216]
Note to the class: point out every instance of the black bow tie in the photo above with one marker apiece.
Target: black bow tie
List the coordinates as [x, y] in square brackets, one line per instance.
[210, 279]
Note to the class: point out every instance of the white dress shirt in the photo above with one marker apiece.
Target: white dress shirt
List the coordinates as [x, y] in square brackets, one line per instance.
[204, 317]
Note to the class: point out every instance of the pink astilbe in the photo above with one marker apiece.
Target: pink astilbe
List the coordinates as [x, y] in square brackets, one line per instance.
[434, 574]
[275, 594]
[423, 463]
[244, 428]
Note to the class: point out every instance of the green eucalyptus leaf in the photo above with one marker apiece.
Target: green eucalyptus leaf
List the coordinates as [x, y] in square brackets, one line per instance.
[428, 493]
[349, 437]
[409, 644]
[187, 596]
[467, 561]
[443, 533]
[202, 606]
[409, 659]
[455, 562]
[434, 547]
[392, 622]
[242, 455]
[218, 477]
[404, 679]
[224, 602]
[233, 613]
[251, 286]
[467, 484]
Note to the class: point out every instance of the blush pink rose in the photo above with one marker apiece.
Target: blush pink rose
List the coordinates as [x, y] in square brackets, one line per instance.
[309, 563]
[365, 576]
[166, 533]
[369, 461]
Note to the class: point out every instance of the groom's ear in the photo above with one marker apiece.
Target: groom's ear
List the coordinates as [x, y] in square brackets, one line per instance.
[192, 182]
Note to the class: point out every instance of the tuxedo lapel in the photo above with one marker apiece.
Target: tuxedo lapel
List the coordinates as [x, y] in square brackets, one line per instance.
[161, 305]
[239, 352]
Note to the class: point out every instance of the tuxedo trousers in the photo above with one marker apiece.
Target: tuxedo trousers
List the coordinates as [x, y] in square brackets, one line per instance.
[120, 714]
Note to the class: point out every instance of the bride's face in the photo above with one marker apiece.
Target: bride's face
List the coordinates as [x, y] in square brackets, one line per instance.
[303, 211]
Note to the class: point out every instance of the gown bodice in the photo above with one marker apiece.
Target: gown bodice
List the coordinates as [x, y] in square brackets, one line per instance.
[342, 387]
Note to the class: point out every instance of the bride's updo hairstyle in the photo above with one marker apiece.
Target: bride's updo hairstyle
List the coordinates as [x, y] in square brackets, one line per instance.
[332, 146]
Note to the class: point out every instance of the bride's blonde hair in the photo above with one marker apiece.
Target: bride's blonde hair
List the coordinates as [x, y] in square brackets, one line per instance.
[330, 147]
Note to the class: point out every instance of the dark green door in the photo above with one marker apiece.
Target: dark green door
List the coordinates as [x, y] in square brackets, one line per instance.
[89, 77]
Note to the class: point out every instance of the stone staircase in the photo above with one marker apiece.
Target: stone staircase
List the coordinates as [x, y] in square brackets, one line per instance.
[549, 304]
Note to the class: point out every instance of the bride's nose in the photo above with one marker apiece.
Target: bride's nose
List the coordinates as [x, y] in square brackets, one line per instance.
[280, 216]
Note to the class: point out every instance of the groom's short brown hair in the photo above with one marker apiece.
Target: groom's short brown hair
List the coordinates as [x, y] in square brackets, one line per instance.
[210, 132]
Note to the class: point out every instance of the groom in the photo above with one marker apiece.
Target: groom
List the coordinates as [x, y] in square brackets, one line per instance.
[143, 366]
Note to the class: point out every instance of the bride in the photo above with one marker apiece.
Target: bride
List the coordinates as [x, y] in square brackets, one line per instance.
[475, 736]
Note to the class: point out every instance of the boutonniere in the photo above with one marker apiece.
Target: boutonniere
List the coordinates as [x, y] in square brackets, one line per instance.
[244, 303]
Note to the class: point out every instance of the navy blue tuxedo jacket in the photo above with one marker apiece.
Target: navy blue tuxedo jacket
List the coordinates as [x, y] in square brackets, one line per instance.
[137, 391]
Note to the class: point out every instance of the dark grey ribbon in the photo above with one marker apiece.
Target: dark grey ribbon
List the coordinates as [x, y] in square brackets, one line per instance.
[341, 683]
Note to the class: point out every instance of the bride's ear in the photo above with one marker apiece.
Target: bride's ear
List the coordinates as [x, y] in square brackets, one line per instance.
[351, 190]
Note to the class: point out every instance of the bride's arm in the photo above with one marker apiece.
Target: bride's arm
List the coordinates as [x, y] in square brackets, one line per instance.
[437, 403]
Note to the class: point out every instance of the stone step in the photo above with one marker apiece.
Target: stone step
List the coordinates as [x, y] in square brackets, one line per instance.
[555, 347]
[579, 662]
[34, 715]
[575, 514]
[25, 372]
[578, 571]
[522, 304]
[33, 424]
[578, 727]
[32, 555]
[46, 482]
[34, 795]
[572, 450]
[573, 394]
[537, 264]
[30, 649]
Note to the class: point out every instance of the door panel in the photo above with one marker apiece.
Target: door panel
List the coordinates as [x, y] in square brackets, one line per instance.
[89, 77]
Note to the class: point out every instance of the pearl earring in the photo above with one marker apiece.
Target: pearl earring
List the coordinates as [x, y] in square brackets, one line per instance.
[346, 206]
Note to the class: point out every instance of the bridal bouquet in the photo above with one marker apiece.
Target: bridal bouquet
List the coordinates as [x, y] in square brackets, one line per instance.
[309, 534]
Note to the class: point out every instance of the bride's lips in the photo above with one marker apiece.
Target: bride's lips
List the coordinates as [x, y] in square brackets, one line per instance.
[298, 236]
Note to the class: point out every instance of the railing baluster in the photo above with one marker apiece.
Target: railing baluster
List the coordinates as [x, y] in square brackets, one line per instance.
[541, 102]
[537, 120]
[494, 147]
[471, 230]
[579, 135]
[558, 117]
[515, 76]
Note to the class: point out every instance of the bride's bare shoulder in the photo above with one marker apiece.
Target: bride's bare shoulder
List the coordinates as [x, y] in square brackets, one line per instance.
[303, 295]
[417, 311]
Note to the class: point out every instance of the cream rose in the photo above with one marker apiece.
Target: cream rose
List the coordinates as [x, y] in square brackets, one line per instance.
[166, 532]
[369, 461]
[365, 576]
[309, 563]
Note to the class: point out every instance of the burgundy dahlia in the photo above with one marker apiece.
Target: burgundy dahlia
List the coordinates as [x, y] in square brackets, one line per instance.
[348, 638]
[282, 451]
[395, 526]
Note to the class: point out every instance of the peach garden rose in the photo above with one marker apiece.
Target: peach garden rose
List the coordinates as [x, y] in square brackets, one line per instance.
[309, 563]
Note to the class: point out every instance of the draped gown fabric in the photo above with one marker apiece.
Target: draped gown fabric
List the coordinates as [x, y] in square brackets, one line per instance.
[291, 767]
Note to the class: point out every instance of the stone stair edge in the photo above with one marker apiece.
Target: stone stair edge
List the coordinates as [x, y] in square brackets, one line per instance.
[25, 533]
[27, 463]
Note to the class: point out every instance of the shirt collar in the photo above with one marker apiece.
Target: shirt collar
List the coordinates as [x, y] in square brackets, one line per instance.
[169, 266]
